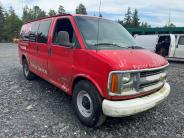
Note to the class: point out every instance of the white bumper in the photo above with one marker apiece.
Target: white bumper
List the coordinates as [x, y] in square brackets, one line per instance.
[134, 106]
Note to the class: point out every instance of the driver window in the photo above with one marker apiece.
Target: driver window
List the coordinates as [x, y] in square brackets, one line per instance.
[63, 32]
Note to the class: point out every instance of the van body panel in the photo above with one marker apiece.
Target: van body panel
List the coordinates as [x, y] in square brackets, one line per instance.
[132, 59]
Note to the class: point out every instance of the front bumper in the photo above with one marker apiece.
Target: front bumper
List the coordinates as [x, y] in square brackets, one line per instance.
[134, 106]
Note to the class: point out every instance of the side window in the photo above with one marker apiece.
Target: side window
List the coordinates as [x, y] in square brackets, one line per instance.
[33, 32]
[24, 33]
[63, 32]
[43, 31]
[181, 40]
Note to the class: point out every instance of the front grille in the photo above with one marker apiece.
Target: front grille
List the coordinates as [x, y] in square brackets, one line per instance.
[153, 72]
[148, 84]
[152, 79]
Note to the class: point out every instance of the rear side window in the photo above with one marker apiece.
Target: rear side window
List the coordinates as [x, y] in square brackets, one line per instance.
[181, 40]
[33, 32]
[43, 31]
[25, 31]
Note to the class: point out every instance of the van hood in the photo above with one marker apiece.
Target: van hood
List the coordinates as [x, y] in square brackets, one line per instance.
[132, 59]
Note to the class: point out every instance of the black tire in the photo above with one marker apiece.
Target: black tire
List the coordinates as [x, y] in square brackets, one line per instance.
[27, 73]
[95, 117]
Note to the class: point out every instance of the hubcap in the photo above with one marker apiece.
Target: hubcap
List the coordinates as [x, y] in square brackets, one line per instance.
[26, 69]
[84, 103]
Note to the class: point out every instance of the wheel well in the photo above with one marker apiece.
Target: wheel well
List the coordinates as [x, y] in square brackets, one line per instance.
[23, 57]
[76, 80]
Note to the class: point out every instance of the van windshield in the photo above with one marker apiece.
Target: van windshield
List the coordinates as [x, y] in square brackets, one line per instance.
[109, 34]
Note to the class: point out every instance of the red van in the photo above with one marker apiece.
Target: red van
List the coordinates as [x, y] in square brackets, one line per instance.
[97, 62]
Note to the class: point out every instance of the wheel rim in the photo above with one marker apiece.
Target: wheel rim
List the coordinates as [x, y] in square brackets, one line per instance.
[84, 104]
[26, 69]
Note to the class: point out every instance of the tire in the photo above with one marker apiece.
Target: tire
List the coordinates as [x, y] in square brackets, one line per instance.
[27, 73]
[87, 104]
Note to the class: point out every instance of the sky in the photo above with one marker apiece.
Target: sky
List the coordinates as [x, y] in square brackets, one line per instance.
[155, 12]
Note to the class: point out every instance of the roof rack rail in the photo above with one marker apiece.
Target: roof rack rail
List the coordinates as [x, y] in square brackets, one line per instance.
[47, 17]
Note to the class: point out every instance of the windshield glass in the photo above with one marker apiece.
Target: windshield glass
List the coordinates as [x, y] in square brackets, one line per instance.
[111, 34]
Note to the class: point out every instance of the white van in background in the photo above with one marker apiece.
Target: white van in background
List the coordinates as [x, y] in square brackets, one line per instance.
[167, 45]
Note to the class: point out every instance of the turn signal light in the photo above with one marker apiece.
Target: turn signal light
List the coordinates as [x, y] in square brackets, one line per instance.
[114, 83]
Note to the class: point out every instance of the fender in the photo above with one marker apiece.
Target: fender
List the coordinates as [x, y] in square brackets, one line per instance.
[90, 79]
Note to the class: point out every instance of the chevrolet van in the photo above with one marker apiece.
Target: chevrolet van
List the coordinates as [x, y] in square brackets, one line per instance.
[97, 62]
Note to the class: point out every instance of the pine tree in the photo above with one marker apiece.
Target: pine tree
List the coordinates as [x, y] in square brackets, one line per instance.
[37, 13]
[121, 22]
[52, 12]
[145, 25]
[135, 19]
[2, 19]
[12, 26]
[61, 10]
[170, 25]
[81, 9]
[128, 18]
[26, 14]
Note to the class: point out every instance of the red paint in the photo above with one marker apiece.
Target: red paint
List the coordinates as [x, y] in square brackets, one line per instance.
[65, 64]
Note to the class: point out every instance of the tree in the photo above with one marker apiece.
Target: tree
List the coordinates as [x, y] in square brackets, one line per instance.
[52, 12]
[61, 10]
[170, 25]
[132, 20]
[145, 25]
[121, 22]
[128, 18]
[31, 14]
[26, 14]
[135, 19]
[37, 12]
[81, 9]
[2, 19]
[12, 26]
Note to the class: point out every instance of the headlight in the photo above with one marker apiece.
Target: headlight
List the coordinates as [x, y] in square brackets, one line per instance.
[125, 78]
[120, 82]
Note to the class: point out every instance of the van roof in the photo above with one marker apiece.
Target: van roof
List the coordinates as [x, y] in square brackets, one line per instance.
[47, 17]
[59, 16]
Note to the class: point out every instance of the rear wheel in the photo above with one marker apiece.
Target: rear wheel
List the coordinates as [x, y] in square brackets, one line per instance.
[88, 104]
[27, 73]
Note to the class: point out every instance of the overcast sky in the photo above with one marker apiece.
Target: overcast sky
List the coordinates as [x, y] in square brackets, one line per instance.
[155, 12]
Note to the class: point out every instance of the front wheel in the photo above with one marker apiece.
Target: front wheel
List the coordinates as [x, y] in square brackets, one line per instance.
[27, 73]
[88, 104]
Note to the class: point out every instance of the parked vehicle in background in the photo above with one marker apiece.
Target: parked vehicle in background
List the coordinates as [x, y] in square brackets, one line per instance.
[147, 41]
[106, 75]
[166, 45]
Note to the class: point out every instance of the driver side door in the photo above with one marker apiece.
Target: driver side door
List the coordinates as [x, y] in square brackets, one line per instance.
[60, 59]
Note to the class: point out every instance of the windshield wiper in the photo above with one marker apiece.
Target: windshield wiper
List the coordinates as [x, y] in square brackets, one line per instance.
[135, 47]
[109, 44]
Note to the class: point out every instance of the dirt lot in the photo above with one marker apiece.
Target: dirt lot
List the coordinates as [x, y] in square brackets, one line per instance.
[38, 109]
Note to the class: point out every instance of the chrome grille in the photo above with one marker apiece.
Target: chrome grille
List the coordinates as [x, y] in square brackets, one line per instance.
[150, 73]
[152, 79]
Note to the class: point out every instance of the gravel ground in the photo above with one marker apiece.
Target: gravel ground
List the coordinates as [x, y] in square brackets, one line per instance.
[38, 109]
